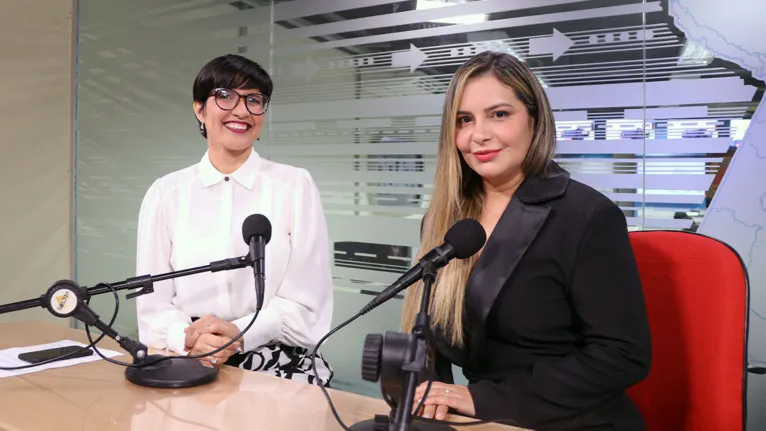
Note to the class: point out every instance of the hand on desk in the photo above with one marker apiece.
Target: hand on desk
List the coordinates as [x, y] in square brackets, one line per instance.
[209, 324]
[442, 397]
[209, 333]
[209, 342]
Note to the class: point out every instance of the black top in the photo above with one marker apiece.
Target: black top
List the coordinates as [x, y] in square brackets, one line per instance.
[555, 323]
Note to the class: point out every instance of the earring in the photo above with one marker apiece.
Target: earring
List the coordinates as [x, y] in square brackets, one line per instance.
[202, 129]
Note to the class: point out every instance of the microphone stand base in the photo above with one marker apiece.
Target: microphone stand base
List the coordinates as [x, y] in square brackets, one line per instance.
[417, 425]
[172, 373]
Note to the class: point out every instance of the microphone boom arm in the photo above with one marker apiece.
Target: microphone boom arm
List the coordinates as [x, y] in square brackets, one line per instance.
[67, 299]
[402, 419]
[397, 360]
[144, 282]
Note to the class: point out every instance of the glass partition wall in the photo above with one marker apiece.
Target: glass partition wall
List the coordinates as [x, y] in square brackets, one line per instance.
[643, 113]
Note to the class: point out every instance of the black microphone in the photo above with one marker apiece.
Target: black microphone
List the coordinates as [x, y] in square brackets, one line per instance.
[256, 231]
[67, 299]
[464, 239]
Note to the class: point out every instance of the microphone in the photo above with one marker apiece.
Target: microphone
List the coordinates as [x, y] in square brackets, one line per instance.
[396, 360]
[403, 357]
[464, 239]
[67, 299]
[256, 231]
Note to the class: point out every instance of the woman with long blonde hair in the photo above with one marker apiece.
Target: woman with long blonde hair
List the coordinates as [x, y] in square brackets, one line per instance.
[547, 321]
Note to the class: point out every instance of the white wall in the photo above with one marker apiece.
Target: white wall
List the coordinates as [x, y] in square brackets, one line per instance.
[36, 147]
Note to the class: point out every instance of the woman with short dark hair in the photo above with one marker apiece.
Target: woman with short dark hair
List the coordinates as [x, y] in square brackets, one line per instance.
[194, 216]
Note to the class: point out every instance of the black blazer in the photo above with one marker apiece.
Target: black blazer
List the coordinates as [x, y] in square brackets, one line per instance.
[555, 324]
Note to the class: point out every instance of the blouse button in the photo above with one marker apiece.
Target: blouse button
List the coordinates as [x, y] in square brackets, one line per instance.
[226, 178]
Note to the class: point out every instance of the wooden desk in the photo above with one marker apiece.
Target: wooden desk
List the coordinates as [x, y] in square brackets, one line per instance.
[96, 396]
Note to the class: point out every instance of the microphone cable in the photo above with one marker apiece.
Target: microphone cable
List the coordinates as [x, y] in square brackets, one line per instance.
[386, 398]
[92, 344]
[326, 394]
[169, 357]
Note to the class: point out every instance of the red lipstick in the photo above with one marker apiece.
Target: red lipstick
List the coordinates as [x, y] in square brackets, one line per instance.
[485, 155]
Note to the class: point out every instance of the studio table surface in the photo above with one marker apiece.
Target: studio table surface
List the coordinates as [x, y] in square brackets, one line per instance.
[96, 396]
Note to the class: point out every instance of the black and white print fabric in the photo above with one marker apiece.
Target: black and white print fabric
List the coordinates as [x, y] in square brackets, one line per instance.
[288, 362]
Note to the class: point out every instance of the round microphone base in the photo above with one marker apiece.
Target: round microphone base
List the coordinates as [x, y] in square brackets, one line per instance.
[417, 425]
[172, 373]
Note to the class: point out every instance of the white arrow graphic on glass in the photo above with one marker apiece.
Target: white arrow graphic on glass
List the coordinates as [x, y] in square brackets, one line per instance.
[412, 58]
[305, 69]
[555, 45]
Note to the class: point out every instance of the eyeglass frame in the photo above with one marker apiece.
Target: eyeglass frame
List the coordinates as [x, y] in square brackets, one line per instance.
[266, 100]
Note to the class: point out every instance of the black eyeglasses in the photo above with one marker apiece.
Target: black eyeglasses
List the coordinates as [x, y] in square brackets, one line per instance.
[228, 99]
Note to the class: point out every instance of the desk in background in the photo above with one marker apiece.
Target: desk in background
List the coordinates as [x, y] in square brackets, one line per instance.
[95, 396]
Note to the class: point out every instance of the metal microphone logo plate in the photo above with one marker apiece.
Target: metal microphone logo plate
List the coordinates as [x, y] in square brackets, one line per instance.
[64, 301]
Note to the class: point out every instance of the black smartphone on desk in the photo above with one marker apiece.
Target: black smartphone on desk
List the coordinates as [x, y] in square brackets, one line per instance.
[48, 354]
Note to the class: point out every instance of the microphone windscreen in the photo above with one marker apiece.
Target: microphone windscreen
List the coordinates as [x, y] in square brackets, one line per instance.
[467, 237]
[256, 225]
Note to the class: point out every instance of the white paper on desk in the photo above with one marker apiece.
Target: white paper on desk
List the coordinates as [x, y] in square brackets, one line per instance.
[10, 358]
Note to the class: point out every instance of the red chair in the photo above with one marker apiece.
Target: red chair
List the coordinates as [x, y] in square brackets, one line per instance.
[696, 291]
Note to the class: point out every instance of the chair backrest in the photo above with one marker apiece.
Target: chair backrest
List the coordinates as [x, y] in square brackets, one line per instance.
[696, 292]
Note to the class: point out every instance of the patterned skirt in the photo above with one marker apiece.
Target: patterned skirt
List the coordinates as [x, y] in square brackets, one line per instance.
[288, 362]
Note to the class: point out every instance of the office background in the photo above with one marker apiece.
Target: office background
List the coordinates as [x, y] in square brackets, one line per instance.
[658, 105]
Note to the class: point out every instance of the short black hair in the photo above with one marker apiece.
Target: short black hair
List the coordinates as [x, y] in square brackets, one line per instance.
[230, 71]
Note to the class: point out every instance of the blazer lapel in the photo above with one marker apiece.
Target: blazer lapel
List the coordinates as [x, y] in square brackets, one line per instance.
[517, 228]
[514, 232]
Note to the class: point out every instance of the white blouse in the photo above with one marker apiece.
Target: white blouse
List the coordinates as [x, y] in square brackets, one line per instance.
[194, 216]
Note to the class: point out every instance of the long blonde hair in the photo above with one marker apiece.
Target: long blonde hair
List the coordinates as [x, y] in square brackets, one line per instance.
[458, 191]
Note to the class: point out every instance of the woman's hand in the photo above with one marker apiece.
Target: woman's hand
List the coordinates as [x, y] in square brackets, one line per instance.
[210, 324]
[441, 397]
[206, 343]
